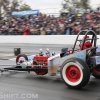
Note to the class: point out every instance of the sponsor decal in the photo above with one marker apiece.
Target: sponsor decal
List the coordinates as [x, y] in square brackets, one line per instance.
[80, 55]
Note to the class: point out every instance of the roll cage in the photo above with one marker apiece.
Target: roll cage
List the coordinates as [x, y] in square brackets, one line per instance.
[93, 39]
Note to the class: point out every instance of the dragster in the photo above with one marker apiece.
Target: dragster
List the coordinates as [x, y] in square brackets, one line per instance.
[74, 65]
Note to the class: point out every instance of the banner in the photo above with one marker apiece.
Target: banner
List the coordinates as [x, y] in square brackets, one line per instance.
[25, 13]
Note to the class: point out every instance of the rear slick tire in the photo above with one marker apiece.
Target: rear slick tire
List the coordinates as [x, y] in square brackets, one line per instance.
[96, 72]
[75, 73]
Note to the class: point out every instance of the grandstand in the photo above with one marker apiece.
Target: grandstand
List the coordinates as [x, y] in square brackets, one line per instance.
[65, 23]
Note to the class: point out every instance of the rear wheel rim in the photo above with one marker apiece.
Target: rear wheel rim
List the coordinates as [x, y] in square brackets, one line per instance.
[73, 73]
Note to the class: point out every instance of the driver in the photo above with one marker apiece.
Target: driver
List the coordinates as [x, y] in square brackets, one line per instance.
[87, 43]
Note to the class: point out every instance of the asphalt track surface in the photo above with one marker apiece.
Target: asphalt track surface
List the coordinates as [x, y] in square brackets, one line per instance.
[32, 87]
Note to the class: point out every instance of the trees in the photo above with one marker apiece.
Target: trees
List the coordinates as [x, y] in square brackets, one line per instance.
[85, 4]
[69, 5]
[8, 6]
[13, 5]
[3, 6]
[0, 15]
[25, 7]
[75, 5]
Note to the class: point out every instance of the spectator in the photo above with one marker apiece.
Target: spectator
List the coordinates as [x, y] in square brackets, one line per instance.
[26, 31]
[65, 24]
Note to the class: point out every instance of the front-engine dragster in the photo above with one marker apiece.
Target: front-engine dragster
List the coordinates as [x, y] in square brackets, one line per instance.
[74, 65]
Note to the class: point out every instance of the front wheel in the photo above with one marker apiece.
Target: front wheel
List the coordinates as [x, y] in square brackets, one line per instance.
[21, 58]
[75, 73]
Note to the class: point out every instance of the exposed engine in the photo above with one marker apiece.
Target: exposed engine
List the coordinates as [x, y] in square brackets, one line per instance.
[41, 62]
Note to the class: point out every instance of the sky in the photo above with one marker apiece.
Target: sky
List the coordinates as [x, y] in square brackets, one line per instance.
[48, 6]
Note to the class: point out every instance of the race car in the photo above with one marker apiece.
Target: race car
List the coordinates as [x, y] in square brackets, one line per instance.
[74, 65]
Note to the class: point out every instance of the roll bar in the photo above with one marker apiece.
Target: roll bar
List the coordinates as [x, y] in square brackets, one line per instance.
[93, 39]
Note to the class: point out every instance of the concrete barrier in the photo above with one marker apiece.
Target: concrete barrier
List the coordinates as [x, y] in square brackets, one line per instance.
[42, 39]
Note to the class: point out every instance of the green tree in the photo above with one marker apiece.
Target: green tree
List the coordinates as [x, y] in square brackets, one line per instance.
[14, 5]
[85, 4]
[8, 6]
[25, 7]
[0, 15]
[75, 5]
[3, 6]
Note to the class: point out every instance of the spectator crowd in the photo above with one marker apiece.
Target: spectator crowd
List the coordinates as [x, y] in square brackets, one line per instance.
[65, 24]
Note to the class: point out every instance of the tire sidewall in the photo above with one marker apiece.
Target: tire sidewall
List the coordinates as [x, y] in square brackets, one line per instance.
[84, 70]
[95, 72]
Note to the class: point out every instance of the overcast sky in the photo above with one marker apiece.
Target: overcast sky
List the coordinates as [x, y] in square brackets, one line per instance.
[43, 4]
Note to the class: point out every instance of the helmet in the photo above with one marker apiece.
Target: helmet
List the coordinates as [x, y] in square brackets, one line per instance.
[87, 37]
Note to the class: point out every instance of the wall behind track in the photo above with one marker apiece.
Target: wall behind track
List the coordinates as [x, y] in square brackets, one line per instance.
[42, 39]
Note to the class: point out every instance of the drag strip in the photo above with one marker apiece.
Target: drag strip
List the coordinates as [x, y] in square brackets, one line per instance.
[42, 87]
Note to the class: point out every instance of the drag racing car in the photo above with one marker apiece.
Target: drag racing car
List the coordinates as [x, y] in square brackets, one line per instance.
[74, 65]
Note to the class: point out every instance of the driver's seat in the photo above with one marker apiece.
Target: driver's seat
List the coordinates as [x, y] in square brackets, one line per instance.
[64, 52]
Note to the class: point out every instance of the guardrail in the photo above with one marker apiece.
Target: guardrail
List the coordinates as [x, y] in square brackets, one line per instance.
[42, 39]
